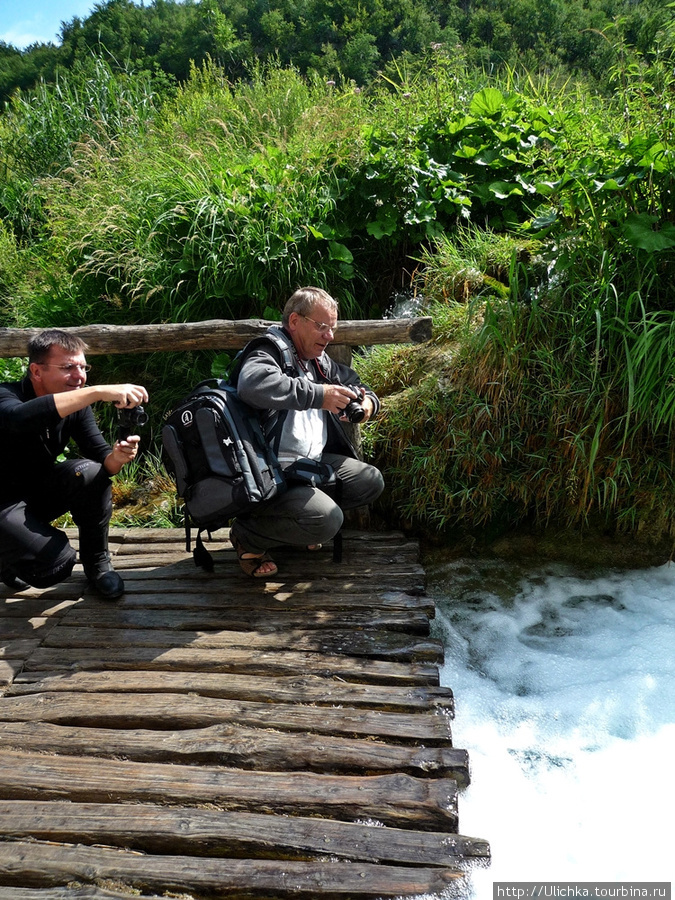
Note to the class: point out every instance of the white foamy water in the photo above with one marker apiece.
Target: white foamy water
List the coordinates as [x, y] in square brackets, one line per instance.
[565, 699]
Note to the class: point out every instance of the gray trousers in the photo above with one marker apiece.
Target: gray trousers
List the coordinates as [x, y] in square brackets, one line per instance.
[305, 515]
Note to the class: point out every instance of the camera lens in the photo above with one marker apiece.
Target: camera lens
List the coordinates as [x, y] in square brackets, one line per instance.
[140, 417]
[355, 412]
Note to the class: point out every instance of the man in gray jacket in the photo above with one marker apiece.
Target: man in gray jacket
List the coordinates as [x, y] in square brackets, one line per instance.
[303, 410]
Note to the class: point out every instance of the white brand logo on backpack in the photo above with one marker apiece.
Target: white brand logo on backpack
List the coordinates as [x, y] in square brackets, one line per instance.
[186, 417]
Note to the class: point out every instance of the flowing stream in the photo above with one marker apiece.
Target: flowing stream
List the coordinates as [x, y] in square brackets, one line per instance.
[564, 687]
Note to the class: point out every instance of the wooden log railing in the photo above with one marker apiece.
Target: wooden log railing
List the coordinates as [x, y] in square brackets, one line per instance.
[215, 334]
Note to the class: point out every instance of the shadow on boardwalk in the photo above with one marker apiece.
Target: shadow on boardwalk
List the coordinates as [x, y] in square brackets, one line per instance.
[213, 736]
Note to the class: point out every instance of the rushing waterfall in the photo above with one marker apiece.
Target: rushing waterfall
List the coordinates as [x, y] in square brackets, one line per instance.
[565, 694]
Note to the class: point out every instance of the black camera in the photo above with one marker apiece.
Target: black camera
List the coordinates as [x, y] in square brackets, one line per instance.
[354, 411]
[129, 421]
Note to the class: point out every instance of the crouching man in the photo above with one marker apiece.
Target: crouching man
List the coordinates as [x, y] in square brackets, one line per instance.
[39, 415]
[303, 414]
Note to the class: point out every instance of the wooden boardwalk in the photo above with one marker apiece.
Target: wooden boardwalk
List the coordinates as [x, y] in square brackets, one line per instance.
[213, 736]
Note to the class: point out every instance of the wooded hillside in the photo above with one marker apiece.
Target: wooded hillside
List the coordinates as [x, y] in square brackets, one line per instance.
[340, 38]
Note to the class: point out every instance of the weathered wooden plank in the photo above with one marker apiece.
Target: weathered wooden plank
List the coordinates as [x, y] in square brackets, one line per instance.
[325, 594]
[137, 537]
[291, 565]
[17, 649]
[428, 804]
[402, 552]
[121, 534]
[176, 711]
[164, 593]
[202, 832]
[269, 664]
[339, 581]
[240, 747]
[8, 669]
[184, 579]
[41, 864]
[375, 644]
[363, 545]
[340, 578]
[352, 537]
[34, 605]
[67, 893]
[151, 559]
[356, 566]
[318, 566]
[292, 689]
[226, 619]
[18, 627]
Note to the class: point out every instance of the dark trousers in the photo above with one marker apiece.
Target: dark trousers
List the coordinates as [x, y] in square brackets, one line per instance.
[33, 549]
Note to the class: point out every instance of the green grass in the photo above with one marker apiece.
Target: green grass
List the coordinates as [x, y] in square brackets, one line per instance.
[144, 496]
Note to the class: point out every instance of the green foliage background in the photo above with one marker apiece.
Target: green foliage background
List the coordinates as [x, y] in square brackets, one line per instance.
[338, 38]
[532, 214]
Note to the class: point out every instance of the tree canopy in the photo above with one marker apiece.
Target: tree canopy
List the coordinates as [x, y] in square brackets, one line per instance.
[351, 39]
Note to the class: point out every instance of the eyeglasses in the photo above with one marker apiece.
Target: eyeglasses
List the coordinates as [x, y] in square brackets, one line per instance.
[72, 367]
[321, 326]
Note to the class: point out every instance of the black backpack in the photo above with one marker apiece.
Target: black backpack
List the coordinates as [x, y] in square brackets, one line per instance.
[214, 446]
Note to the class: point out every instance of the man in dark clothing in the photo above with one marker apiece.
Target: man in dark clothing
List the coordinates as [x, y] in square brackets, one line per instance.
[303, 410]
[39, 415]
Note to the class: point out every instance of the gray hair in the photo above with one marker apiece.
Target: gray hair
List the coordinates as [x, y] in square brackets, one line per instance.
[40, 345]
[304, 300]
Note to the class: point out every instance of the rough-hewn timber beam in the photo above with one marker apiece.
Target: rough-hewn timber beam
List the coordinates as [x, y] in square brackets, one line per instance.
[215, 334]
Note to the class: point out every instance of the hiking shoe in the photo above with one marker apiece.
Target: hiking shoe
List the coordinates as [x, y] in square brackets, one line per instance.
[104, 579]
[14, 582]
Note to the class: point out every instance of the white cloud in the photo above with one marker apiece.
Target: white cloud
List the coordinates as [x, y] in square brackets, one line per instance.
[24, 37]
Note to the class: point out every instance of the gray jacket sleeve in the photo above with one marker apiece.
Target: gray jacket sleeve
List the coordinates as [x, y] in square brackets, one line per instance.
[263, 384]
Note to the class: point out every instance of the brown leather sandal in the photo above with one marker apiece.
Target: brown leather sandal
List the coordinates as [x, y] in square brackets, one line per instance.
[250, 562]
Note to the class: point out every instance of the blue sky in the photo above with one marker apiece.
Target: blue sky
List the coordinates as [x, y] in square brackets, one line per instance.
[23, 22]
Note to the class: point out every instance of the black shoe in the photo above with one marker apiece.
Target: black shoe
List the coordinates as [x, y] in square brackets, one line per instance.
[104, 579]
[109, 585]
[14, 582]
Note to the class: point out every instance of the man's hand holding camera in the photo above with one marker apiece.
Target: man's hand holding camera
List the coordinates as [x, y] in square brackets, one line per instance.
[131, 417]
[70, 398]
[129, 421]
[125, 396]
[340, 399]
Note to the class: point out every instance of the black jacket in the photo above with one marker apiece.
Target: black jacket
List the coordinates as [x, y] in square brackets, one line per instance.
[33, 436]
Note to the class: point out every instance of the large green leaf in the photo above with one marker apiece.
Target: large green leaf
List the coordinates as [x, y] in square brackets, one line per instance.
[385, 224]
[639, 231]
[502, 189]
[340, 253]
[487, 102]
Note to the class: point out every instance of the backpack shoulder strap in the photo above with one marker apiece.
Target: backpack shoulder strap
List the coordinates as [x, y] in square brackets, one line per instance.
[285, 347]
[279, 340]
